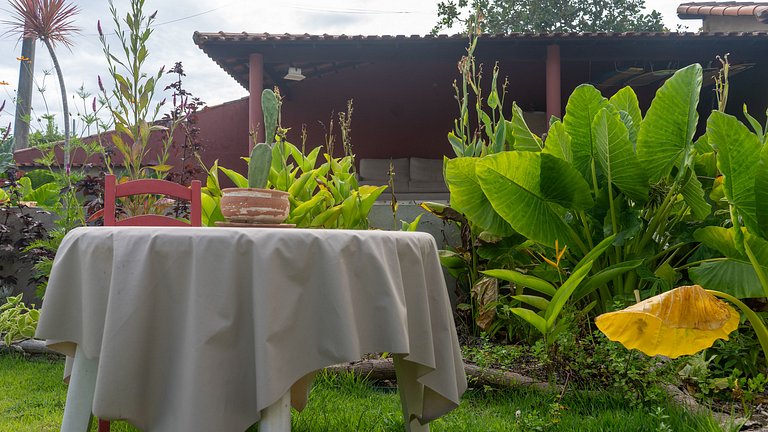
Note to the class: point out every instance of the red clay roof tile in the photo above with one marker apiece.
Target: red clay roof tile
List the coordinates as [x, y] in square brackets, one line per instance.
[201, 38]
[699, 10]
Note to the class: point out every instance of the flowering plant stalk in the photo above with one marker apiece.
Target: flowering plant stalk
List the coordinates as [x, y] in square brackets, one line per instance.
[130, 100]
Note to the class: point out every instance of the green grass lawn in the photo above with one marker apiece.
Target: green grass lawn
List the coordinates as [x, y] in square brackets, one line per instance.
[32, 398]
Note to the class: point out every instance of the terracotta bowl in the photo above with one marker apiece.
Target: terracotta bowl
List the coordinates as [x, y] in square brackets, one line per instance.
[254, 206]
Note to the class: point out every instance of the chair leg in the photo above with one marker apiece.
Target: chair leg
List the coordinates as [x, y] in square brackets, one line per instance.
[103, 425]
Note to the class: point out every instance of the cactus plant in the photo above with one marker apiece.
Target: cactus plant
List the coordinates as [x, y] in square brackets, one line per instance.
[261, 155]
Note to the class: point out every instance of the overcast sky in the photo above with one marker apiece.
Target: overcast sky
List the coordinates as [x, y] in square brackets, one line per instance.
[178, 19]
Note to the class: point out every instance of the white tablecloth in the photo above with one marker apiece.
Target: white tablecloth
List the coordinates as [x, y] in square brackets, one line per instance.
[198, 329]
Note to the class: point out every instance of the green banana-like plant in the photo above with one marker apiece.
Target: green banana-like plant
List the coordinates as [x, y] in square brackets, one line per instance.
[550, 299]
[604, 171]
[325, 195]
[742, 159]
[547, 319]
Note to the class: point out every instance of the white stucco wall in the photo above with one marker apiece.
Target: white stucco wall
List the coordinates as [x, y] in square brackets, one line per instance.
[733, 24]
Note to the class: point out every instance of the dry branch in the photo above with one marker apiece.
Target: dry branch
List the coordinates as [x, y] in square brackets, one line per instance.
[384, 370]
[30, 346]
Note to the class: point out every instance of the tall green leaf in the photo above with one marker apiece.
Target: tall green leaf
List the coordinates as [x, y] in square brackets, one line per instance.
[757, 128]
[558, 142]
[238, 179]
[693, 194]
[211, 210]
[616, 156]
[532, 318]
[523, 137]
[735, 274]
[606, 275]
[582, 106]
[723, 240]
[538, 302]
[46, 196]
[564, 293]
[720, 239]
[702, 145]
[525, 280]
[531, 191]
[738, 154]
[731, 276]
[631, 127]
[669, 124]
[467, 196]
[761, 191]
[596, 251]
[626, 100]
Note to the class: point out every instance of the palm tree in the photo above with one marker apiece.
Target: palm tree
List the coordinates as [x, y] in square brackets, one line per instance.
[51, 21]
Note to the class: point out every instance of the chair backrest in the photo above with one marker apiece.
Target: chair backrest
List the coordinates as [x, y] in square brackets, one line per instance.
[112, 191]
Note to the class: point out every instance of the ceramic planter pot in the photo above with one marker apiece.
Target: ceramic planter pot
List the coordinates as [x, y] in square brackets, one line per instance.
[254, 206]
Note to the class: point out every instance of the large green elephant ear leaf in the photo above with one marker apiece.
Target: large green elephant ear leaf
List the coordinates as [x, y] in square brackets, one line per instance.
[720, 239]
[531, 191]
[738, 155]
[693, 194]
[668, 127]
[734, 274]
[558, 142]
[467, 196]
[582, 106]
[616, 156]
[626, 100]
[761, 191]
[524, 139]
[731, 276]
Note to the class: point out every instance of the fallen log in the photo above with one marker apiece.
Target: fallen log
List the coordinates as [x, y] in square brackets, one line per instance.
[501, 378]
[373, 369]
[384, 370]
[29, 346]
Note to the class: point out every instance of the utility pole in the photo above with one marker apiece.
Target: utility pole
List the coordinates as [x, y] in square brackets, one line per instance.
[24, 94]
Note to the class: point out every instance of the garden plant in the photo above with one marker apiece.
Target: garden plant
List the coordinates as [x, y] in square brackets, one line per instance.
[612, 206]
[321, 194]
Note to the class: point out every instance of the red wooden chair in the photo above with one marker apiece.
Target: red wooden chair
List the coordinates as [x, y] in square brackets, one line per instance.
[112, 191]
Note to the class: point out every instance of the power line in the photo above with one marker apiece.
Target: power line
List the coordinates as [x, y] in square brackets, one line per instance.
[173, 20]
[193, 16]
[352, 11]
[355, 11]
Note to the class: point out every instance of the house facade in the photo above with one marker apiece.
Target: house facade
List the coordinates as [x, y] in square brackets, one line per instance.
[402, 86]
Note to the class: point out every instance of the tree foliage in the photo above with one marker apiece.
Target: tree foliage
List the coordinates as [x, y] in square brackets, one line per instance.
[53, 22]
[543, 16]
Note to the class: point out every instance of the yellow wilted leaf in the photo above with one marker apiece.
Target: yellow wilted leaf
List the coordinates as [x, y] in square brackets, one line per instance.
[679, 322]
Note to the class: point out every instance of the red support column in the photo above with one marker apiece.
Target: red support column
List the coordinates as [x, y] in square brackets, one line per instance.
[255, 87]
[554, 99]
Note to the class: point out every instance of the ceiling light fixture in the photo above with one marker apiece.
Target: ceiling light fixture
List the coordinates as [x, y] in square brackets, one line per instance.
[294, 74]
